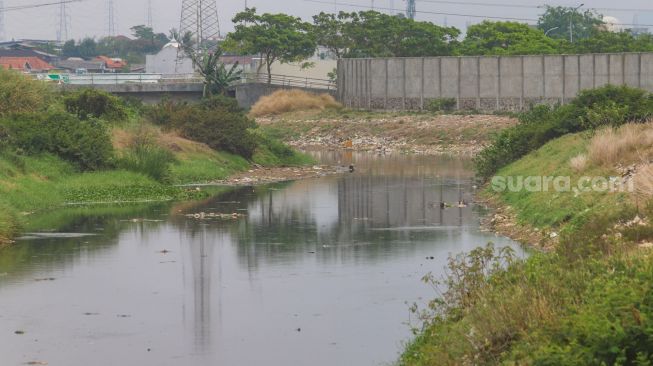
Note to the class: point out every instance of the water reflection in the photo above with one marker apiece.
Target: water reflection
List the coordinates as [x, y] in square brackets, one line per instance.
[318, 272]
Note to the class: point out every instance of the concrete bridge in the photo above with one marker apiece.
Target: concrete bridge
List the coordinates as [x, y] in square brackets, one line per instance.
[152, 88]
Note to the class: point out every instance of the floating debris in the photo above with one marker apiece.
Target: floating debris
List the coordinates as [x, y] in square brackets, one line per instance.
[44, 279]
[19, 332]
[213, 215]
[36, 363]
[41, 236]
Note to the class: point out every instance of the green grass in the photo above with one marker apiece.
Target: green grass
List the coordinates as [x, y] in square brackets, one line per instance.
[587, 302]
[204, 167]
[557, 209]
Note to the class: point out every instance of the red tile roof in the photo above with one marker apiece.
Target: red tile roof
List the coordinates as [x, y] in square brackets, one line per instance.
[24, 63]
[112, 63]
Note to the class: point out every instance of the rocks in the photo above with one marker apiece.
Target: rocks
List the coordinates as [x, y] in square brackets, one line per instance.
[273, 175]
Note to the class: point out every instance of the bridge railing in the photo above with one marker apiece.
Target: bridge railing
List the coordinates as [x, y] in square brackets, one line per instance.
[289, 81]
[119, 78]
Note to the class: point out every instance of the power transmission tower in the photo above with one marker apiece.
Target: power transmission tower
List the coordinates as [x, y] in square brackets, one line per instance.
[200, 18]
[64, 23]
[410, 9]
[3, 35]
[110, 20]
[149, 14]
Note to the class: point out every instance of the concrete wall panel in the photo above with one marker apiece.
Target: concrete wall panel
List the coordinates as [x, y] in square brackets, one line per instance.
[586, 72]
[632, 69]
[431, 78]
[413, 77]
[647, 72]
[533, 77]
[617, 69]
[572, 76]
[553, 77]
[450, 77]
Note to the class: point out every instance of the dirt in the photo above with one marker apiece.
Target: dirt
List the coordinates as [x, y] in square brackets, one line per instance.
[419, 133]
[503, 221]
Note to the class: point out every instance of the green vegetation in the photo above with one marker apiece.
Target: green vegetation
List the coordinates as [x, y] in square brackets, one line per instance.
[442, 105]
[90, 147]
[588, 300]
[609, 105]
[276, 37]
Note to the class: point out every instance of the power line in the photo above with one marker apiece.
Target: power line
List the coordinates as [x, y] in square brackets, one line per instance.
[506, 5]
[4, 9]
[532, 20]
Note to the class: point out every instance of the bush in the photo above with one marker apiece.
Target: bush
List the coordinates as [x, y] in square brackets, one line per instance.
[162, 113]
[442, 105]
[608, 105]
[217, 122]
[22, 94]
[92, 103]
[283, 101]
[85, 143]
[148, 159]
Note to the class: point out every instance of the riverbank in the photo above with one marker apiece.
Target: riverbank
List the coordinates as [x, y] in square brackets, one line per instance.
[418, 133]
[585, 298]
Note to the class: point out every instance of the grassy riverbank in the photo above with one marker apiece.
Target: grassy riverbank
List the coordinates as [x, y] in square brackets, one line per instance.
[89, 147]
[587, 300]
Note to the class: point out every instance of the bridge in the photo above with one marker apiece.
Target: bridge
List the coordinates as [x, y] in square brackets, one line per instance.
[151, 88]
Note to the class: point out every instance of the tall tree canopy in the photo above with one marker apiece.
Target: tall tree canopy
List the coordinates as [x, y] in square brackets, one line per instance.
[276, 37]
[506, 38]
[559, 21]
[605, 42]
[374, 34]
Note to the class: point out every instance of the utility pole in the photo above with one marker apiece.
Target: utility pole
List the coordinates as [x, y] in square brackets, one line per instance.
[150, 20]
[3, 34]
[571, 23]
[64, 23]
[200, 18]
[110, 19]
[411, 10]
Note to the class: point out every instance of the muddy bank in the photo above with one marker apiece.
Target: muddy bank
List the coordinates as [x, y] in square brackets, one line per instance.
[503, 221]
[263, 175]
[388, 132]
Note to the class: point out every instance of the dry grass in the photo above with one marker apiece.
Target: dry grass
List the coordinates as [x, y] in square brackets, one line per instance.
[632, 143]
[284, 101]
[578, 163]
[123, 138]
[644, 181]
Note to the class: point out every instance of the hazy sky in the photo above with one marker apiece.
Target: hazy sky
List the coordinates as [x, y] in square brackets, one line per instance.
[88, 16]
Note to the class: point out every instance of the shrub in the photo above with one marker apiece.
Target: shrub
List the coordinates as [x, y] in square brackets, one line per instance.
[162, 113]
[219, 123]
[86, 143]
[149, 159]
[442, 105]
[283, 101]
[92, 103]
[22, 94]
[608, 105]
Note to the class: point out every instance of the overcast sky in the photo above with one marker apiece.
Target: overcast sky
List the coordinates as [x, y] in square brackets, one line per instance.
[88, 16]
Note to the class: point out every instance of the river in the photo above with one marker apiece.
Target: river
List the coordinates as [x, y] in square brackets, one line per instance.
[317, 272]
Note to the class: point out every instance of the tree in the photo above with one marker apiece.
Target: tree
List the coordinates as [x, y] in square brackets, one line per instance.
[217, 78]
[559, 21]
[607, 42]
[506, 38]
[330, 33]
[276, 37]
[70, 49]
[373, 34]
[88, 48]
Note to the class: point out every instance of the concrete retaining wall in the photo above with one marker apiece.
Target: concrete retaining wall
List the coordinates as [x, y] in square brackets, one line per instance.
[248, 94]
[485, 83]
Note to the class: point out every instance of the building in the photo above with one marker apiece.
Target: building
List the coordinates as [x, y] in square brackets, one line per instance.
[169, 61]
[112, 64]
[25, 64]
[77, 65]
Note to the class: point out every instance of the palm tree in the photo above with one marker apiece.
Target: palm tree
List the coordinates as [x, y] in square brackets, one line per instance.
[217, 77]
